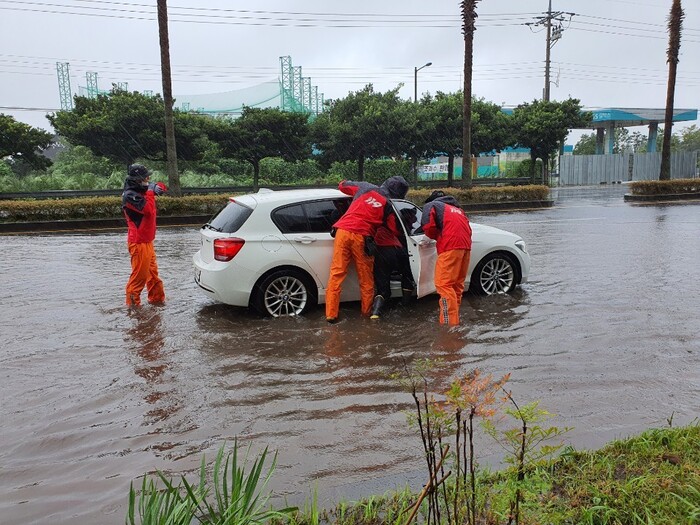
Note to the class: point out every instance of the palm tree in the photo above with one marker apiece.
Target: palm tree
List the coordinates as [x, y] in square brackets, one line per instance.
[468, 27]
[170, 151]
[675, 24]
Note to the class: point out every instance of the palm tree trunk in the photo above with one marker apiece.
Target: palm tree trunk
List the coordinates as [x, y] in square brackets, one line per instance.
[675, 24]
[468, 27]
[256, 176]
[170, 151]
[450, 169]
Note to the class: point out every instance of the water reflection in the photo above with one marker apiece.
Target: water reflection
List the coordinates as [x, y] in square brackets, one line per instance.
[146, 341]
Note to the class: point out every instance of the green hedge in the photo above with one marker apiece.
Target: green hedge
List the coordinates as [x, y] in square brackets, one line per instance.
[102, 208]
[110, 207]
[484, 195]
[665, 187]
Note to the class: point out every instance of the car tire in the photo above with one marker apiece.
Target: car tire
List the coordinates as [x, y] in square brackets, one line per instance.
[495, 273]
[284, 293]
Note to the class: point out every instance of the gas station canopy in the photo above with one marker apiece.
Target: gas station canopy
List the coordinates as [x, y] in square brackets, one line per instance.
[605, 120]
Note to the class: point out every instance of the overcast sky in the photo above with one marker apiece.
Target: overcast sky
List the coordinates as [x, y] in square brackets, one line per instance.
[612, 53]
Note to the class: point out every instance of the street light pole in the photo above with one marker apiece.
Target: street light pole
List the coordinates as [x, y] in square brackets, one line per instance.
[415, 80]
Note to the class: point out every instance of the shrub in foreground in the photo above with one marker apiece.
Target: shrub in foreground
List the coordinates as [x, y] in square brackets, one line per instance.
[235, 494]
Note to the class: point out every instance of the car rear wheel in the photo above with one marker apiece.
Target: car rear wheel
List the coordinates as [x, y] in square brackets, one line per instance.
[284, 293]
[495, 273]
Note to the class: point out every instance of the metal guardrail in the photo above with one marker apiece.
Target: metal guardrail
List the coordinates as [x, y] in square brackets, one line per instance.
[65, 194]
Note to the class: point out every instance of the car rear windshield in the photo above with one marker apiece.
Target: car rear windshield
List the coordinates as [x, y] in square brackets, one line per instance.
[230, 218]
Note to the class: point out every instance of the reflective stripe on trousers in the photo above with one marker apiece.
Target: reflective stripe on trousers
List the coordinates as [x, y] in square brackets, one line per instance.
[450, 272]
[348, 247]
[144, 274]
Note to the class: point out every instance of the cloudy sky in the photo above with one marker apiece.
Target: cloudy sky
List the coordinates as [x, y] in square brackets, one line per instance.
[612, 53]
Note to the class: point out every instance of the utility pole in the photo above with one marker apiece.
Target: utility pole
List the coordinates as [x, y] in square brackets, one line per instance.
[552, 22]
[170, 149]
[548, 54]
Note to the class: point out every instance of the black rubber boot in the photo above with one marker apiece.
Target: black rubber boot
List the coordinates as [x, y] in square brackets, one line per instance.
[407, 295]
[377, 307]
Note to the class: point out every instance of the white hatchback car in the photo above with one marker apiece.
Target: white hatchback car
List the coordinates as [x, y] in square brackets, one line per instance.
[272, 251]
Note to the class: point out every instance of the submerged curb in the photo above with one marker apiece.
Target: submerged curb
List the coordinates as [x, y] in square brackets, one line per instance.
[94, 224]
[87, 225]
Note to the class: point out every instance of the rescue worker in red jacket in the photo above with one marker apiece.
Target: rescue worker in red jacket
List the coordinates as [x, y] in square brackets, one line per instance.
[139, 207]
[444, 221]
[392, 256]
[365, 214]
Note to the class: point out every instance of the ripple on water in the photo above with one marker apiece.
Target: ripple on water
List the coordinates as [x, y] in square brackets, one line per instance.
[604, 335]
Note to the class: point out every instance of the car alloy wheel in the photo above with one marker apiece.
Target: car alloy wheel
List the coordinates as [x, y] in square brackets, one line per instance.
[496, 275]
[283, 294]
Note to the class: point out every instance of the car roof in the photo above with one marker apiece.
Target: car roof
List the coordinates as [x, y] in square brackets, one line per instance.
[265, 196]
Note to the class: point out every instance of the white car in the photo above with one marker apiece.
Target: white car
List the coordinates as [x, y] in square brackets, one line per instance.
[272, 251]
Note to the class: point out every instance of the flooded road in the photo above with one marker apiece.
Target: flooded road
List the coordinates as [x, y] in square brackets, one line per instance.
[605, 334]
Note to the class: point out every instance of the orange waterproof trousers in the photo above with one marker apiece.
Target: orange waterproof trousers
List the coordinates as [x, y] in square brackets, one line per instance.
[144, 273]
[450, 272]
[348, 247]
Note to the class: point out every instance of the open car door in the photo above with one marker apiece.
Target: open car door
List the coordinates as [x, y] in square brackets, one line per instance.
[421, 249]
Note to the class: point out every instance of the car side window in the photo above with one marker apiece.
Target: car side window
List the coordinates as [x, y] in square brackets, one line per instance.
[291, 219]
[322, 214]
[410, 215]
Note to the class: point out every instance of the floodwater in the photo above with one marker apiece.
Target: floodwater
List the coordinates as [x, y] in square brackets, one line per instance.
[605, 334]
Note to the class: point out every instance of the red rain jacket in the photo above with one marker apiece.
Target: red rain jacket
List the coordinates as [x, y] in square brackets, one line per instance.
[366, 211]
[389, 234]
[444, 221]
[139, 209]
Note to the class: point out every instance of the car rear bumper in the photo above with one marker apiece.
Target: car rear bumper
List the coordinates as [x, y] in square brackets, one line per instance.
[224, 282]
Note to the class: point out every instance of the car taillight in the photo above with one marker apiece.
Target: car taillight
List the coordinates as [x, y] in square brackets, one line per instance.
[226, 249]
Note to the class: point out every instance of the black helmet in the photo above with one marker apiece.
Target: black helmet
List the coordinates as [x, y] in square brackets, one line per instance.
[139, 171]
[435, 195]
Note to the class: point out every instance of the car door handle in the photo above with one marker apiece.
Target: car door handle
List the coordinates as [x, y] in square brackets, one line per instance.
[304, 240]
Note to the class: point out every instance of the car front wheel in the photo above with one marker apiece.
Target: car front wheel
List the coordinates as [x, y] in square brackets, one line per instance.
[495, 273]
[284, 293]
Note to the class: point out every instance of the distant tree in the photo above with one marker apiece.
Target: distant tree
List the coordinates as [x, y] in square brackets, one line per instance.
[491, 129]
[364, 125]
[675, 25]
[635, 142]
[690, 139]
[542, 126]
[416, 140]
[269, 132]
[119, 125]
[468, 27]
[447, 116]
[125, 126]
[79, 160]
[586, 144]
[22, 142]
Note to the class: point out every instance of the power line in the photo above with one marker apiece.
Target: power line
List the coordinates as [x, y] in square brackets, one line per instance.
[422, 16]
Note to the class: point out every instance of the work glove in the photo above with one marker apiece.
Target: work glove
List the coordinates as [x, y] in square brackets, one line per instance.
[158, 188]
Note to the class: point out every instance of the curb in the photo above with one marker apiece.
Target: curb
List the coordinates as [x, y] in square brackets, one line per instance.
[669, 197]
[507, 206]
